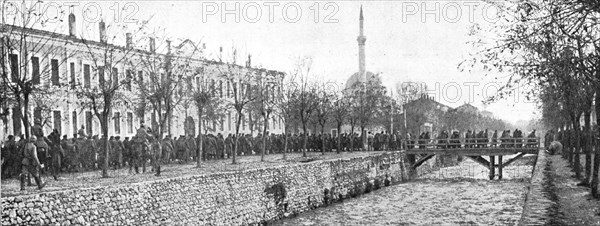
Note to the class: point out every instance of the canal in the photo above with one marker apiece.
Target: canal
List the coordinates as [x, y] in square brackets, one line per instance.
[458, 195]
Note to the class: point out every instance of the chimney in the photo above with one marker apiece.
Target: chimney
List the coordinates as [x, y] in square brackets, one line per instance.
[249, 62]
[128, 40]
[72, 30]
[234, 56]
[168, 46]
[152, 45]
[221, 54]
[102, 31]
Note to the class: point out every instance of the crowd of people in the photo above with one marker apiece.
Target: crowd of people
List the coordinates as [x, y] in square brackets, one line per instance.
[28, 158]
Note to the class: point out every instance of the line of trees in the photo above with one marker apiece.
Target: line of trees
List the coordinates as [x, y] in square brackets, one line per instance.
[554, 47]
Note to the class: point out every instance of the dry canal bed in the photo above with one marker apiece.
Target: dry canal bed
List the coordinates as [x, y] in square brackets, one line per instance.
[459, 195]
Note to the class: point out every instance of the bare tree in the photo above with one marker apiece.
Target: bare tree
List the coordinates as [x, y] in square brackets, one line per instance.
[305, 96]
[340, 113]
[286, 105]
[324, 110]
[240, 79]
[106, 58]
[168, 78]
[209, 106]
[368, 99]
[265, 102]
[22, 53]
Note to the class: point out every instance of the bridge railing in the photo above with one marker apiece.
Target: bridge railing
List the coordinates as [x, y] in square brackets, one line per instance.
[499, 143]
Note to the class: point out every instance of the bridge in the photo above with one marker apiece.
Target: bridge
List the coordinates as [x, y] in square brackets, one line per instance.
[474, 149]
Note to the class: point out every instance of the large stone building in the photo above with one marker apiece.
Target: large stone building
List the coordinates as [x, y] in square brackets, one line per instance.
[64, 64]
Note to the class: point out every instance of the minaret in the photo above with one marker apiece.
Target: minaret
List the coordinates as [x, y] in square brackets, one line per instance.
[361, 49]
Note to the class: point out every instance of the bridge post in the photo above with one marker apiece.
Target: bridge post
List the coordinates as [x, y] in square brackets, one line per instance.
[412, 171]
[492, 167]
[499, 167]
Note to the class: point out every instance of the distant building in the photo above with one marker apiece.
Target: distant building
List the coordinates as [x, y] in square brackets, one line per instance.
[487, 114]
[467, 108]
[426, 115]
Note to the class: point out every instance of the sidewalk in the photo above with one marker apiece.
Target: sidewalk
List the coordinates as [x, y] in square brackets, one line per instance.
[576, 206]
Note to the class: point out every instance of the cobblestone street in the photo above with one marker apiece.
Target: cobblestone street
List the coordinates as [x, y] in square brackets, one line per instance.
[453, 195]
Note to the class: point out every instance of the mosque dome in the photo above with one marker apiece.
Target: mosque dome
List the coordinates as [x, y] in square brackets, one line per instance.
[355, 78]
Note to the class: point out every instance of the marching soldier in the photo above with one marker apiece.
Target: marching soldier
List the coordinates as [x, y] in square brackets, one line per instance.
[31, 164]
[229, 145]
[220, 146]
[167, 148]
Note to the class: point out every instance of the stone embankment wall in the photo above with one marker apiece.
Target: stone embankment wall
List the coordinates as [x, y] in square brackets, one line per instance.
[230, 198]
[539, 202]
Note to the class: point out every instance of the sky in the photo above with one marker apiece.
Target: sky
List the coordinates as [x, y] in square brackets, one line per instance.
[407, 41]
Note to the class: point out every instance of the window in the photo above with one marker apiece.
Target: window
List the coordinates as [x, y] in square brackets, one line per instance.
[198, 83]
[222, 123]
[16, 118]
[35, 70]
[129, 122]
[141, 77]
[88, 123]
[117, 120]
[101, 77]
[229, 121]
[54, 75]
[243, 122]
[129, 76]
[74, 121]
[221, 89]
[14, 66]
[57, 121]
[248, 91]
[37, 114]
[228, 89]
[86, 75]
[72, 73]
[234, 89]
[115, 74]
[212, 87]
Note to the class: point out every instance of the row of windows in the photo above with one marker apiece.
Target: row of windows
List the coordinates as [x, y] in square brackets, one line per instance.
[88, 122]
[216, 86]
[55, 72]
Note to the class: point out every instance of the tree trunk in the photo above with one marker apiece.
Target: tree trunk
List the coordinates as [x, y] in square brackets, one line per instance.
[362, 137]
[200, 151]
[577, 149]
[264, 139]
[25, 115]
[285, 144]
[237, 137]
[104, 125]
[595, 179]
[323, 139]
[352, 138]
[304, 139]
[339, 138]
[587, 147]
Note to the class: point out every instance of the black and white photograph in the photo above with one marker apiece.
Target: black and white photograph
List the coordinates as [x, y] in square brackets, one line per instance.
[309, 112]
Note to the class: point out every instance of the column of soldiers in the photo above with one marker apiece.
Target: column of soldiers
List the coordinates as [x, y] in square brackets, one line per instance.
[473, 139]
[85, 152]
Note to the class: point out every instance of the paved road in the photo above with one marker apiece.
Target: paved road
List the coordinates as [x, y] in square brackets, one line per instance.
[452, 196]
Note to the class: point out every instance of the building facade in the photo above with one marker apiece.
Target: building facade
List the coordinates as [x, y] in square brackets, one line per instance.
[62, 67]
